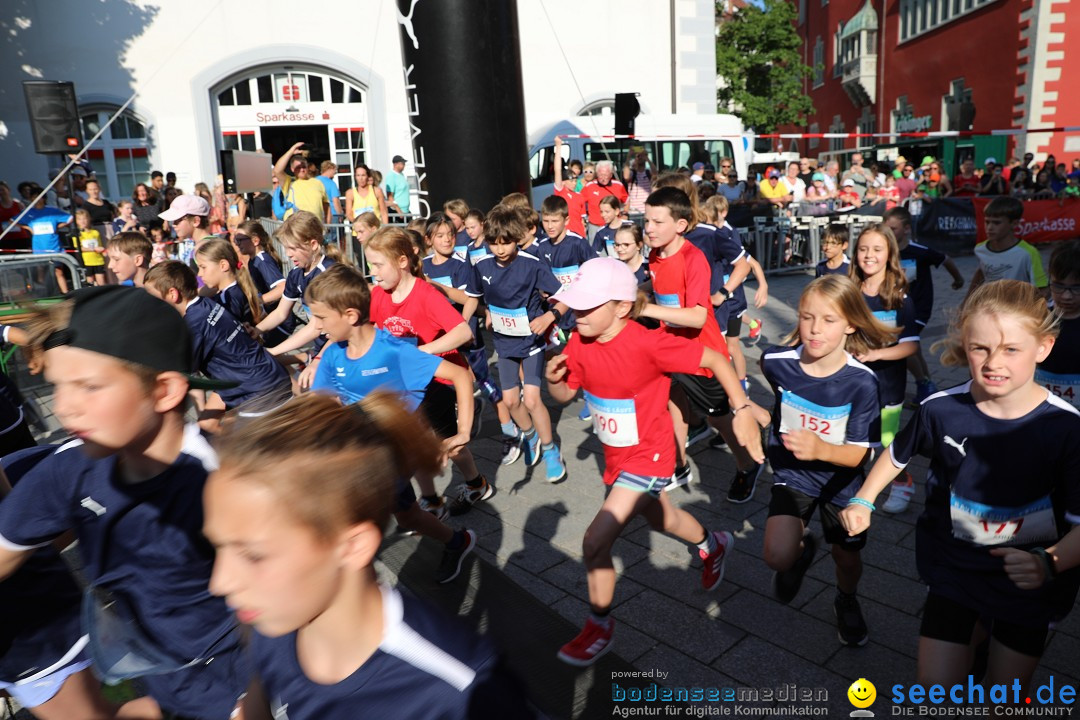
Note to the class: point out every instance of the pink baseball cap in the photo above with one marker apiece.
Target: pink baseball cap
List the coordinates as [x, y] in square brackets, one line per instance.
[185, 205]
[598, 281]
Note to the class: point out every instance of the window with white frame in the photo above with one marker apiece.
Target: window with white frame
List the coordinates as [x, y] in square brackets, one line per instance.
[922, 16]
[120, 157]
[819, 62]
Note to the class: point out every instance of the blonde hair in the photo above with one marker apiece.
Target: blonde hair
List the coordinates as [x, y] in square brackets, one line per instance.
[517, 200]
[217, 250]
[894, 286]
[715, 205]
[332, 466]
[303, 227]
[684, 183]
[842, 293]
[1001, 297]
[81, 213]
[457, 206]
[394, 243]
[370, 219]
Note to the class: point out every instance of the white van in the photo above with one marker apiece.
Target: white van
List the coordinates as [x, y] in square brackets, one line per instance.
[672, 141]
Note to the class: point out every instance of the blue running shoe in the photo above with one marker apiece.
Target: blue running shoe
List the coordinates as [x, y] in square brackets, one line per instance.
[554, 466]
[531, 449]
[585, 415]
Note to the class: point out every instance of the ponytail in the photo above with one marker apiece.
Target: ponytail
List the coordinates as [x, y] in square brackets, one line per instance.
[394, 243]
[218, 250]
[255, 229]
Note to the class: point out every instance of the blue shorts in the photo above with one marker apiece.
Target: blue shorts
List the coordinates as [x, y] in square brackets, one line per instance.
[41, 687]
[642, 483]
[530, 369]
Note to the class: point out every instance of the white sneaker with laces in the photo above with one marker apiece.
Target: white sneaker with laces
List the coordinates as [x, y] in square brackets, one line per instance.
[900, 494]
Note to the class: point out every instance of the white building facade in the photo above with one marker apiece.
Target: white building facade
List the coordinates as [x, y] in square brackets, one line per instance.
[249, 74]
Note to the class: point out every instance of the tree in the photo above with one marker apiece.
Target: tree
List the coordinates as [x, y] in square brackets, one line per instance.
[760, 68]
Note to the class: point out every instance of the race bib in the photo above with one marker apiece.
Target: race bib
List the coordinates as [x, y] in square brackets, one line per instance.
[445, 281]
[828, 423]
[476, 254]
[610, 245]
[1066, 387]
[886, 317]
[911, 269]
[510, 321]
[565, 275]
[41, 228]
[615, 421]
[461, 252]
[985, 525]
[668, 301]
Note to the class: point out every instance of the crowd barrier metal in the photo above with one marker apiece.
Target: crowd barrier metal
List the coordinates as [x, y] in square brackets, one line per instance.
[27, 279]
[793, 244]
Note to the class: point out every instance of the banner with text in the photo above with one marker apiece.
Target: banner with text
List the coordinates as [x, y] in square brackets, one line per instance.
[1043, 221]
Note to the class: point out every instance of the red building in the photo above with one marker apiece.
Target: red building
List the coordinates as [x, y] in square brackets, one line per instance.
[932, 65]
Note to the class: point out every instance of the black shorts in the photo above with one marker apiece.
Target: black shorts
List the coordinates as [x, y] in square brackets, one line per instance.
[788, 501]
[734, 326]
[439, 407]
[949, 621]
[706, 393]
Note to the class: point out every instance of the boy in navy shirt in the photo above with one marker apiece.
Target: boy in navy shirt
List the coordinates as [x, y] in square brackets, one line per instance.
[130, 485]
[917, 261]
[563, 251]
[514, 285]
[834, 247]
[221, 348]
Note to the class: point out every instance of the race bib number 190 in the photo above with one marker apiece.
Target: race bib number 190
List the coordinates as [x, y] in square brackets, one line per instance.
[828, 423]
[615, 421]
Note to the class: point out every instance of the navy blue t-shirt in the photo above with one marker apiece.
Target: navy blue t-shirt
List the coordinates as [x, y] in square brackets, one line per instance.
[512, 293]
[893, 373]
[462, 241]
[478, 252]
[142, 542]
[841, 409]
[917, 262]
[223, 350]
[296, 283]
[993, 483]
[721, 252]
[39, 602]
[426, 666]
[564, 260]
[389, 364]
[1060, 372]
[233, 299]
[732, 250]
[824, 269]
[604, 241]
[454, 273]
[266, 274]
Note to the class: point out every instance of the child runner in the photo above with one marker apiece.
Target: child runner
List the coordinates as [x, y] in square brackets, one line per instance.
[221, 348]
[456, 210]
[625, 372]
[90, 247]
[330, 641]
[129, 257]
[223, 273]
[611, 212]
[126, 220]
[130, 485]
[998, 538]
[259, 255]
[834, 246]
[365, 359]
[514, 284]
[1060, 371]
[408, 307]
[716, 210]
[189, 216]
[474, 228]
[878, 271]
[627, 245]
[829, 419]
[563, 251]
[44, 223]
[302, 235]
[1003, 255]
[917, 261]
[736, 298]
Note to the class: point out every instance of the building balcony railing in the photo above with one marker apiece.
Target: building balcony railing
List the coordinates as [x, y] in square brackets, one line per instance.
[860, 79]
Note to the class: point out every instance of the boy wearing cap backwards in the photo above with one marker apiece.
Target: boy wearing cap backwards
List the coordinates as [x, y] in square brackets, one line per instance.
[189, 216]
[130, 485]
[625, 371]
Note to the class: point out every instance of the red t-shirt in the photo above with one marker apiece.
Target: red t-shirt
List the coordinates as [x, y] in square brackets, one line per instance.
[577, 209]
[965, 186]
[423, 316]
[682, 280]
[7, 214]
[594, 192]
[627, 381]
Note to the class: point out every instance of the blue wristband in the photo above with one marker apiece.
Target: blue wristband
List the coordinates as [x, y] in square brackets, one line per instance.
[864, 503]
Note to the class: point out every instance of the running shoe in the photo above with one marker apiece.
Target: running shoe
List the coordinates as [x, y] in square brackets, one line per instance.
[450, 564]
[554, 467]
[593, 641]
[511, 449]
[924, 390]
[440, 509]
[699, 433]
[786, 583]
[850, 626]
[683, 476]
[531, 449]
[713, 571]
[755, 331]
[585, 415]
[743, 484]
[468, 496]
[745, 382]
[900, 493]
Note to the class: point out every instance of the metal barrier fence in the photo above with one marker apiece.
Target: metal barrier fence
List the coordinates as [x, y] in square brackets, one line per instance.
[793, 244]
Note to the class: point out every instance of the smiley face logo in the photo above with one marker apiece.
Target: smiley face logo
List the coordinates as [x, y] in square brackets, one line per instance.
[862, 693]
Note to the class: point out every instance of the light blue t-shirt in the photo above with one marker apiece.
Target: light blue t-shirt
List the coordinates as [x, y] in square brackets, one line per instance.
[44, 225]
[332, 191]
[398, 186]
[389, 364]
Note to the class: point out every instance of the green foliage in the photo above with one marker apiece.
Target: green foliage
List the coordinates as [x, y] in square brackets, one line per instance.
[759, 62]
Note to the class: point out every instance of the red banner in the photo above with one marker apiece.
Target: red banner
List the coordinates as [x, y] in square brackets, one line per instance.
[1043, 221]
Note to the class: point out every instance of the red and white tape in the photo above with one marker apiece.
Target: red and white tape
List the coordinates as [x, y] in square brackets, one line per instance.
[841, 136]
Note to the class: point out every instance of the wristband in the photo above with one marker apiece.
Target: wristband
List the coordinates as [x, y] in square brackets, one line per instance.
[558, 315]
[736, 411]
[725, 291]
[1047, 562]
[860, 501]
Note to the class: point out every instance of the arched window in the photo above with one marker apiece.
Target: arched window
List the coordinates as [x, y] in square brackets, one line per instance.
[120, 157]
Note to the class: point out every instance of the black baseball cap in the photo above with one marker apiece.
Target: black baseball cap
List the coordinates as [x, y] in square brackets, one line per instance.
[396, 159]
[130, 324]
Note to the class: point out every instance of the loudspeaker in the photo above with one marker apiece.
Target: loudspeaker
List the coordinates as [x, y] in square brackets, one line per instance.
[54, 116]
[626, 109]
